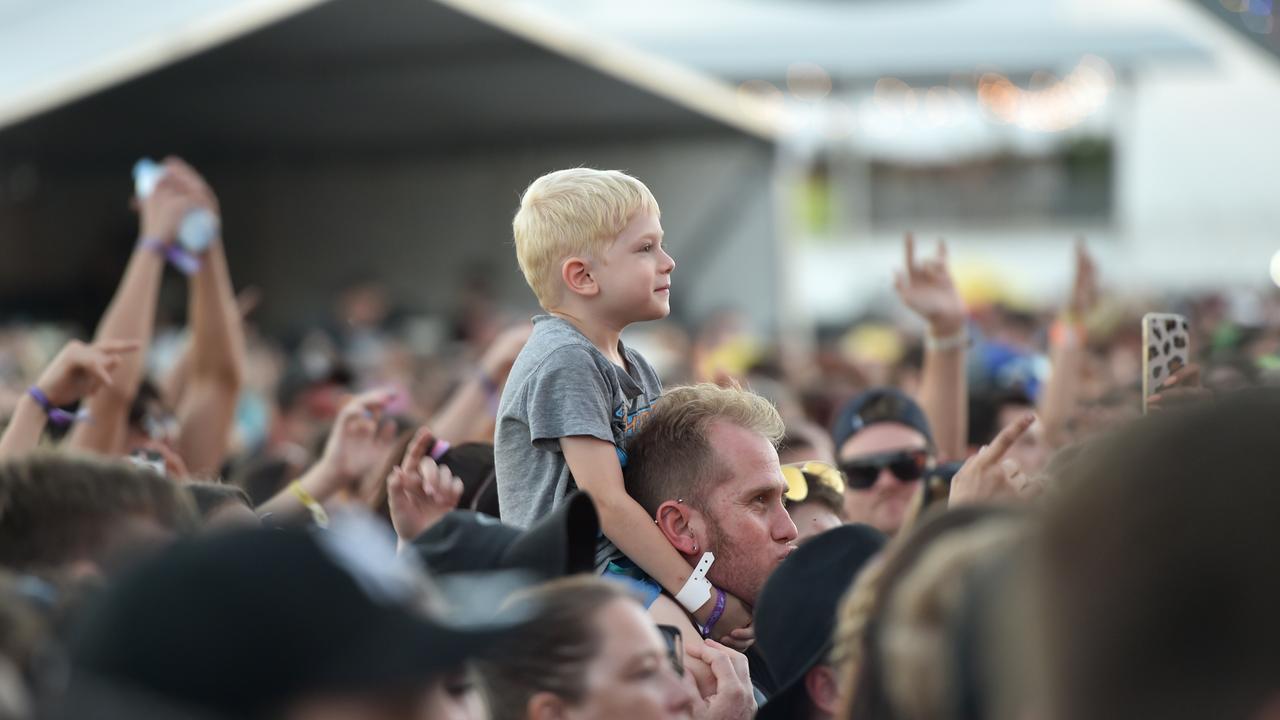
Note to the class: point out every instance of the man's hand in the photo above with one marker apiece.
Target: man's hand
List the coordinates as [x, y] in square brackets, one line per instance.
[926, 287]
[732, 698]
[1181, 388]
[78, 370]
[358, 441]
[1084, 289]
[420, 492]
[989, 475]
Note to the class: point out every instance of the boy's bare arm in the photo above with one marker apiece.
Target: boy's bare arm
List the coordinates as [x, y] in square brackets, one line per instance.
[594, 464]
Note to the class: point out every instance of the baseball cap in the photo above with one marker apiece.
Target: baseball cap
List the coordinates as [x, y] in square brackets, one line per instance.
[240, 624]
[879, 405]
[562, 543]
[795, 615]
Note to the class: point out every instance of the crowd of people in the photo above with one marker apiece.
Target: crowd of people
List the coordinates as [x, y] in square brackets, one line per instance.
[969, 518]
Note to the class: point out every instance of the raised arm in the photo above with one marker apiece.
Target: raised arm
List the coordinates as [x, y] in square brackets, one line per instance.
[925, 286]
[131, 316]
[1067, 350]
[206, 409]
[76, 372]
[471, 408]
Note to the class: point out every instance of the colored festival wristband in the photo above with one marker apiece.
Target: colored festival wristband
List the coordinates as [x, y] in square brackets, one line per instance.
[185, 262]
[958, 339]
[715, 614]
[318, 514]
[56, 415]
[697, 590]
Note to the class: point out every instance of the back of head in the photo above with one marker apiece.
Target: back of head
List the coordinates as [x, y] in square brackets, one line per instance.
[670, 457]
[572, 212]
[57, 509]
[552, 651]
[1158, 563]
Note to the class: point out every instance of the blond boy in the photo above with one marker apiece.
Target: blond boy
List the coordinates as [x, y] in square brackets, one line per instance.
[590, 245]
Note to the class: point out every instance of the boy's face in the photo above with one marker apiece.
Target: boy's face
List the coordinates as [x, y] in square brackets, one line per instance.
[634, 275]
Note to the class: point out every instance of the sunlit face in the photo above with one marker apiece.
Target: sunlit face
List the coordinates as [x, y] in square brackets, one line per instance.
[631, 676]
[748, 527]
[634, 274]
[884, 504]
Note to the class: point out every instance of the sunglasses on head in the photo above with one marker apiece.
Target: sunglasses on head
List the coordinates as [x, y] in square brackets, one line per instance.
[800, 476]
[905, 465]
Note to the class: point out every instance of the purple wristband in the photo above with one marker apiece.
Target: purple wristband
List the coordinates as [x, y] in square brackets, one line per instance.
[715, 614]
[56, 415]
[185, 262]
[439, 449]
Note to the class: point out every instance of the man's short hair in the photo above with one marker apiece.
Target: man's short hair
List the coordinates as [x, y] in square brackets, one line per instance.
[575, 212]
[670, 456]
[57, 508]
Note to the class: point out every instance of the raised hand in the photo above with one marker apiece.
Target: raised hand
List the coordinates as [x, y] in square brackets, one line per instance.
[501, 353]
[1179, 389]
[78, 370]
[989, 475]
[359, 439]
[1084, 289]
[926, 287]
[420, 492]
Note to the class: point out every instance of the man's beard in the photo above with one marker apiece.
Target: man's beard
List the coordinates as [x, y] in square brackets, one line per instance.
[731, 575]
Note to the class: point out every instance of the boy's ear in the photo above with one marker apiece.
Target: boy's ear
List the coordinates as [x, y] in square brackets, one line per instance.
[577, 276]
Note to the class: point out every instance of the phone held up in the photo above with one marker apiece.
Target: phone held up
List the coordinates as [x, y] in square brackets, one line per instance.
[1166, 339]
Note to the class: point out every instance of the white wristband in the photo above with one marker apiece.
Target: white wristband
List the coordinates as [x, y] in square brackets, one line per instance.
[958, 339]
[697, 590]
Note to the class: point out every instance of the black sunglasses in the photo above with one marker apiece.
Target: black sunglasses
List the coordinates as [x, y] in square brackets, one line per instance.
[906, 466]
[675, 647]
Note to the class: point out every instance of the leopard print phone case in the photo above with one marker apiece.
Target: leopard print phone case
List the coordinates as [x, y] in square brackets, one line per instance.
[1166, 338]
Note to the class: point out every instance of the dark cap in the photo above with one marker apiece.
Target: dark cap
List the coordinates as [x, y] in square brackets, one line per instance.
[795, 616]
[879, 405]
[242, 624]
[562, 543]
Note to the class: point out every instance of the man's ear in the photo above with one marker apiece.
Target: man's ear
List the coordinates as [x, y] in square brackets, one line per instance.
[545, 706]
[680, 524]
[576, 273]
[824, 691]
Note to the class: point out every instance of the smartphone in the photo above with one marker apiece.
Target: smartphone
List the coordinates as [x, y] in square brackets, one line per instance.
[1166, 338]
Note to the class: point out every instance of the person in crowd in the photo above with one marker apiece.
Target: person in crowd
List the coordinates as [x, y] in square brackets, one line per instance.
[1156, 565]
[591, 653]
[589, 243]
[705, 469]
[85, 515]
[884, 440]
[795, 620]
[277, 623]
[198, 428]
[222, 506]
[814, 498]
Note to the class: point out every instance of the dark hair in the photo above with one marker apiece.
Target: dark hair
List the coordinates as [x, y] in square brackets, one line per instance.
[209, 496]
[262, 478]
[1158, 564]
[551, 652]
[984, 413]
[57, 508]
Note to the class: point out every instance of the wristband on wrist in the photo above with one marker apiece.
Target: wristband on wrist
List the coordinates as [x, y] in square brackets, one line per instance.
[318, 514]
[438, 449]
[958, 339]
[715, 614]
[697, 590]
[185, 262]
[57, 416]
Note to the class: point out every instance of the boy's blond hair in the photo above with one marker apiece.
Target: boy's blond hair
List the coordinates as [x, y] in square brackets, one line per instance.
[576, 212]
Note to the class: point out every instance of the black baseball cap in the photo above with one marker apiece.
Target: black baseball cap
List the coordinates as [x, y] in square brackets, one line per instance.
[879, 405]
[795, 615]
[562, 543]
[241, 624]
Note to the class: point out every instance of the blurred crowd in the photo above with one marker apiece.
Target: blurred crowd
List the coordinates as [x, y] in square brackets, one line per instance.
[970, 514]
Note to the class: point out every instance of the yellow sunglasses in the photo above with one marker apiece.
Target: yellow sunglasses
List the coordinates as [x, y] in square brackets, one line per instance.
[799, 475]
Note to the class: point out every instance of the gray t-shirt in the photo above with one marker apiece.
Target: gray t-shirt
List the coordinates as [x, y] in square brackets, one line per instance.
[561, 386]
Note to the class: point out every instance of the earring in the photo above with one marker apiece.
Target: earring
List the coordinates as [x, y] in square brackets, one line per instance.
[695, 547]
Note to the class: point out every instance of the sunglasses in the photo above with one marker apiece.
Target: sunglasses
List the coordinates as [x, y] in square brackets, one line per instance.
[675, 647]
[800, 476]
[906, 466]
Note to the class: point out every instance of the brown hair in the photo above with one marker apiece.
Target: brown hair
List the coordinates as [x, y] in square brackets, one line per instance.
[551, 652]
[670, 455]
[57, 508]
